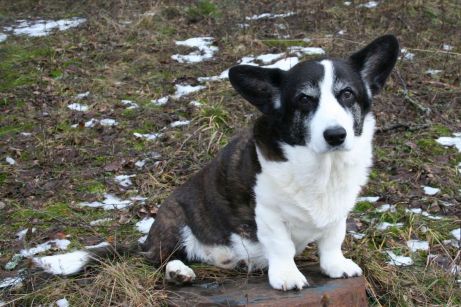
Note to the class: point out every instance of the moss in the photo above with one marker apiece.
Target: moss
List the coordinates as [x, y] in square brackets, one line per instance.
[430, 146]
[284, 43]
[92, 186]
[18, 66]
[363, 206]
[441, 130]
[202, 9]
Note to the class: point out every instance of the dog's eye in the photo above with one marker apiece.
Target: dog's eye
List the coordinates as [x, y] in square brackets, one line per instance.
[305, 100]
[347, 96]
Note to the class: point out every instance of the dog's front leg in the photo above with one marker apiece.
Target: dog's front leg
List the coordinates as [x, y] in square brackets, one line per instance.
[332, 261]
[279, 250]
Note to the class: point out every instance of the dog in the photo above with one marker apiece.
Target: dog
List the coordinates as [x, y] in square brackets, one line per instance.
[288, 181]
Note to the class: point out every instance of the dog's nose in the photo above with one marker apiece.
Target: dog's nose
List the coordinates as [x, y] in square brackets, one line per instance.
[335, 136]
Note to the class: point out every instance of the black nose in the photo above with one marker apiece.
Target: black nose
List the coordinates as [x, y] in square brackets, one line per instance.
[335, 136]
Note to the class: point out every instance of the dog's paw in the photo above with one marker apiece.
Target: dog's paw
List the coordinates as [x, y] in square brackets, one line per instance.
[341, 268]
[286, 278]
[178, 273]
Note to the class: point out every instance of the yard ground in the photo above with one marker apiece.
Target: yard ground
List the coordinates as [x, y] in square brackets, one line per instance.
[122, 51]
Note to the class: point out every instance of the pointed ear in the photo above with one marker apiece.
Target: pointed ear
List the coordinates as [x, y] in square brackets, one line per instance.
[260, 86]
[375, 61]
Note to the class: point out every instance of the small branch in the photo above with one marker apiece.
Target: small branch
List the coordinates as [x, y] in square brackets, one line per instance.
[402, 126]
[407, 97]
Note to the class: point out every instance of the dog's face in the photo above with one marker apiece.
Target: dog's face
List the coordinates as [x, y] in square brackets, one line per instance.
[319, 104]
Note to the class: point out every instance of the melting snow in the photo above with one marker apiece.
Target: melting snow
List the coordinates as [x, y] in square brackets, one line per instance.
[386, 225]
[148, 136]
[433, 72]
[423, 213]
[357, 235]
[144, 225]
[369, 5]
[10, 281]
[341, 32]
[26, 133]
[284, 64]
[243, 25]
[300, 51]
[370, 199]
[180, 123]
[205, 50]
[58, 243]
[269, 16]
[414, 210]
[20, 235]
[456, 233]
[99, 245]
[109, 203]
[195, 103]
[64, 264]
[140, 163]
[186, 89]
[78, 107]
[347, 3]
[415, 245]
[399, 260]
[100, 221]
[142, 239]
[82, 95]
[222, 76]
[10, 161]
[3, 37]
[62, 302]
[42, 27]
[407, 55]
[130, 104]
[161, 101]
[108, 122]
[385, 208]
[270, 57]
[451, 141]
[430, 190]
[447, 47]
[124, 180]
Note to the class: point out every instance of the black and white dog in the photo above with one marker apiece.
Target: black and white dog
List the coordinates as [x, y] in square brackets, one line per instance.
[289, 181]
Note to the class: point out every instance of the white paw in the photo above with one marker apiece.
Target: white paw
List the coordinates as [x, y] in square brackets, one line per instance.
[341, 268]
[179, 273]
[286, 278]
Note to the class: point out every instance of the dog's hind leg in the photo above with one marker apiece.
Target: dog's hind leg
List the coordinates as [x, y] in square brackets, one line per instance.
[164, 240]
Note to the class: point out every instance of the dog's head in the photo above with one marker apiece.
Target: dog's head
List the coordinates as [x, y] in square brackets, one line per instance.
[319, 104]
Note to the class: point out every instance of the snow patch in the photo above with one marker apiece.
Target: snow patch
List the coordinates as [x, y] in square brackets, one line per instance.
[10, 281]
[180, 123]
[130, 104]
[148, 136]
[26, 133]
[78, 107]
[269, 16]
[64, 264]
[369, 5]
[386, 225]
[124, 180]
[20, 235]
[386, 208]
[270, 57]
[58, 243]
[10, 160]
[370, 199]
[108, 122]
[140, 163]
[142, 239]
[347, 3]
[407, 55]
[398, 260]
[447, 47]
[415, 245]
[99, 245]
[433, 72]
[100, 221]
[222, 76]
[82, 95]
[423, 213]
[357, 235]
[300, 51]
[456, 233]
[62, 302]
[161, 101]
[144, 225]
[3, 37]
[195, 103]
[205, 50]
[430, 190]
[110, 202]
[186, 89]
[40, 27]
[451, 141]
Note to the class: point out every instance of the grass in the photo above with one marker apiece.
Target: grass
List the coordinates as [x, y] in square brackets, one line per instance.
[58, 166]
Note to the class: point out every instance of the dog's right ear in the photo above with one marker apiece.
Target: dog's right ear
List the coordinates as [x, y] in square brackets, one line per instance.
[260, 86]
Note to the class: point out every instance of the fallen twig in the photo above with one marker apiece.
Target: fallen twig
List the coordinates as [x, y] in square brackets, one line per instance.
[402, 126]
[415, 103]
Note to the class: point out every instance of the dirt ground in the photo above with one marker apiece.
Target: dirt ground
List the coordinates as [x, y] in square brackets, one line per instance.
[122, 51]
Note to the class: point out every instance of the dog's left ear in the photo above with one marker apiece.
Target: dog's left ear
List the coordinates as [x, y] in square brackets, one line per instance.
[375, 61]
[260, 86]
